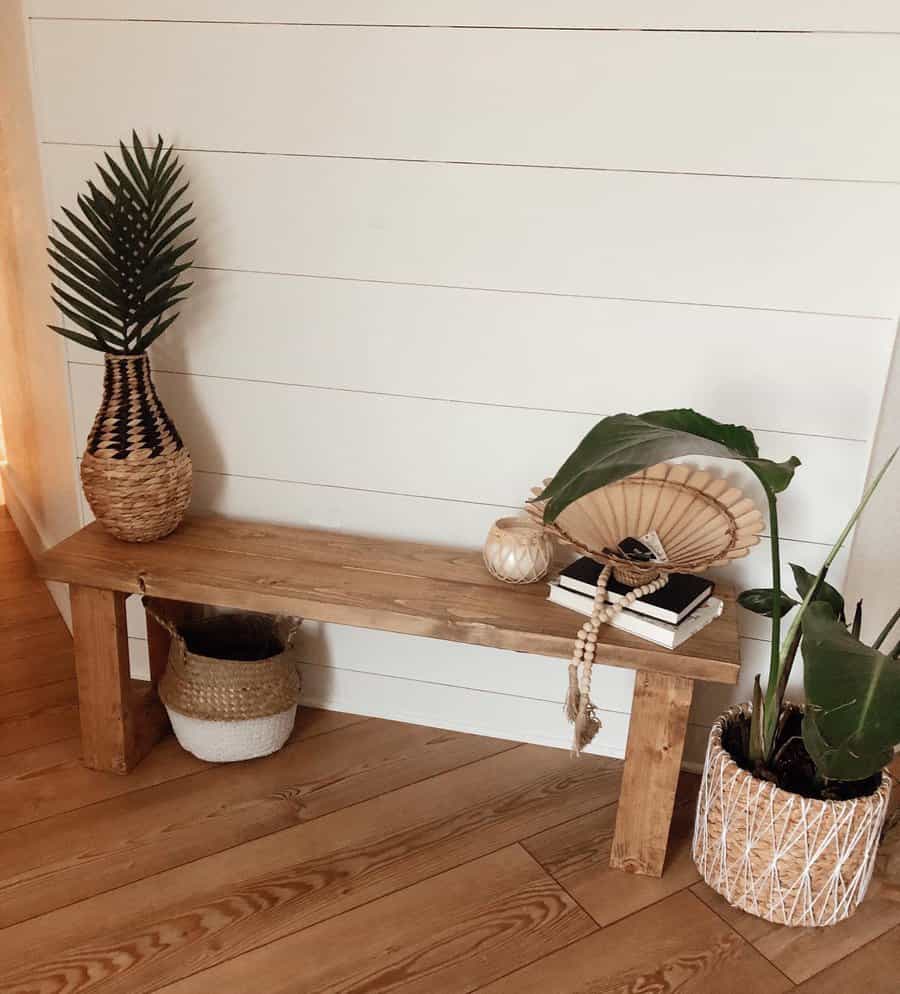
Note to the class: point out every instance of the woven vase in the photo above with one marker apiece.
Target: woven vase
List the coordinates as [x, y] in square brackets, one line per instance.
[789, 859]
[136, 472]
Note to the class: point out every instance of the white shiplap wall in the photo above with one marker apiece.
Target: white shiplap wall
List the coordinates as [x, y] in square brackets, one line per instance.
[435, 247]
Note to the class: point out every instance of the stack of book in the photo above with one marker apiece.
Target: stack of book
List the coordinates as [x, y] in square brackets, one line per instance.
[667, 617]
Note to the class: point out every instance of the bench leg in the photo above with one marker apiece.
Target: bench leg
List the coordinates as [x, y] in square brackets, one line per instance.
[121, 718]
[656, 734]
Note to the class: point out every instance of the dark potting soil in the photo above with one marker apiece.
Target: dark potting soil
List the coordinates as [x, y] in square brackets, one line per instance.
[793, 769]
[236, 637]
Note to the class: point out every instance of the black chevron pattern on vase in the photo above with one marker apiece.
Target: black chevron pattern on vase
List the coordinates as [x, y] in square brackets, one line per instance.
[131, 421]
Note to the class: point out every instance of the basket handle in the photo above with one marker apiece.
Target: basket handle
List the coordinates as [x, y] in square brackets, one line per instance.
[151, 607]
[287, 629]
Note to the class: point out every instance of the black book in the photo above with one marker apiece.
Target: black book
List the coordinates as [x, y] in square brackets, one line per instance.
[672, 603]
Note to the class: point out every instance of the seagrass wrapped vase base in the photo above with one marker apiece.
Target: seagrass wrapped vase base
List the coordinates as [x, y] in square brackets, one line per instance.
[789, 859]
[231, 685]
[136, 472]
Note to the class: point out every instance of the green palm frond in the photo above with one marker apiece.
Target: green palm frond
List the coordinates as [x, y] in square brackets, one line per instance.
[117, 266]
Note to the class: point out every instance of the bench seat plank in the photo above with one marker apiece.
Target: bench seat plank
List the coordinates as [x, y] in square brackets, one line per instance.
[407, 587]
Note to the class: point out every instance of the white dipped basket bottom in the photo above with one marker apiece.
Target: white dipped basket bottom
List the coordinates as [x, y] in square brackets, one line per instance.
[231, 685]
[231, 741]
[789, 859]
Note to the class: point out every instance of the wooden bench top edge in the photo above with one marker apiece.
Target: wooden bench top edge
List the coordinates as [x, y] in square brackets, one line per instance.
[56, 561]
[85, 559]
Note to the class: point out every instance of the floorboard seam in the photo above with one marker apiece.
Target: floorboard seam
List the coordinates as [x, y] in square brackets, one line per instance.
[151, 786]
[34, 686]
[728, 924]
[237, 845]
[833, 964]
[559, 883]
[525, 966]
[381, 897]
[16, 752]
[397, 890]
[38, 687]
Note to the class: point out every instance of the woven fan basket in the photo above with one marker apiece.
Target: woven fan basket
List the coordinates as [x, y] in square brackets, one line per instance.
[136, 472]
[226, 709]
[789, 859]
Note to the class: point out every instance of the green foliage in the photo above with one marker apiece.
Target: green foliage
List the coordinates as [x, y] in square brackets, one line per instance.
[824, 592]
[755, 746]
[624, 444]
[852, 718]
[856, 627]
[760, 600]
[888, 628]
[849, 728]
[117, 266]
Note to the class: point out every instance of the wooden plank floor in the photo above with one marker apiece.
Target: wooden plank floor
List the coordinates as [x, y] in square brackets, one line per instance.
[367, 856]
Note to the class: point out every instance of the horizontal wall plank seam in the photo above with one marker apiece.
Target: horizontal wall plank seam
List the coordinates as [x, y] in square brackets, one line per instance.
[356, 490]
[470, 27]
[441, 400]
[402, 493]
[552, 293]
[487, 163]
[454, 686]
[427, 718]
[452, 500]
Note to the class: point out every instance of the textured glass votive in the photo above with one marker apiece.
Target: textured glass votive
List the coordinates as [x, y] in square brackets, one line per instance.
[518, 551]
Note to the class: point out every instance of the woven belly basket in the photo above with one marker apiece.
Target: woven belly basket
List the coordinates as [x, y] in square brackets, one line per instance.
[136, 472]
[790, 859]
[231, 684]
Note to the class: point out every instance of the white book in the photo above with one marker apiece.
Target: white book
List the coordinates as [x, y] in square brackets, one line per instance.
[658, 632]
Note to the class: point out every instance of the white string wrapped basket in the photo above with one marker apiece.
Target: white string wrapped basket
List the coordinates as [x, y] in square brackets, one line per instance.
[229, 709]
[789, 859]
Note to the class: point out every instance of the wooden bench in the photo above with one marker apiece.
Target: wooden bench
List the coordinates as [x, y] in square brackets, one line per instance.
[406, 587]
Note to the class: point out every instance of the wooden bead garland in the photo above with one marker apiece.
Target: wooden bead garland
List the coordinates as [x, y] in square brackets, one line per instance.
[579, 708]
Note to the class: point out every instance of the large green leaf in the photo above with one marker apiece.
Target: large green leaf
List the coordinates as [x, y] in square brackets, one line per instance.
[117, 269]
[852, 719]
[624, 444]
[806, 581]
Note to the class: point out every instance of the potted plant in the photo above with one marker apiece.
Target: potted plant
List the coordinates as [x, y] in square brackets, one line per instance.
[793, 798]
[117, 268]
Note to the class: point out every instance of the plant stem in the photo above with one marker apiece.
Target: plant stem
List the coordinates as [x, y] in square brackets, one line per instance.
[788, 656]
[887, 629]
[783, 653]
[784, 745]
[795, 628]
[785, 671]
[755, 745]
[772, 706]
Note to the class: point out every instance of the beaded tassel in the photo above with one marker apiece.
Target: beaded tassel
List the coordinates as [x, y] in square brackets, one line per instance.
[579, 708]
